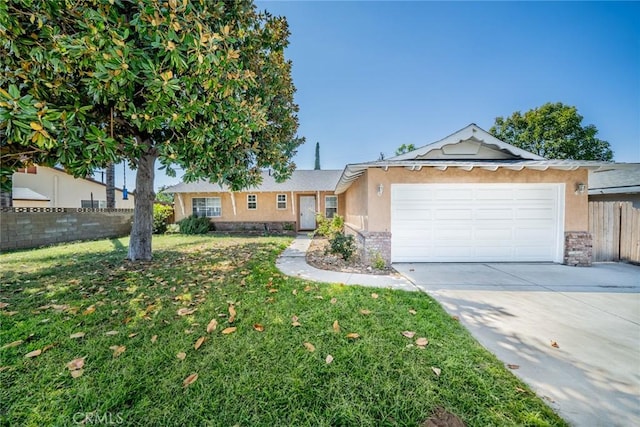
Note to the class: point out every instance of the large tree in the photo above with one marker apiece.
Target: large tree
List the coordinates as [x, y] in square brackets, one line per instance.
[554, 131]
[201, 85]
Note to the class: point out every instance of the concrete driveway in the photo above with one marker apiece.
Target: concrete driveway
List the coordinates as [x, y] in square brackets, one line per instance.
[518, 310]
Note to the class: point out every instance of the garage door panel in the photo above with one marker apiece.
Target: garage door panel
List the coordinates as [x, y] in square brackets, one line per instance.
[476, 222]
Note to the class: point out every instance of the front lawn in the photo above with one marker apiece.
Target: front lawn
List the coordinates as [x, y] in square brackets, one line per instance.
[271, 350]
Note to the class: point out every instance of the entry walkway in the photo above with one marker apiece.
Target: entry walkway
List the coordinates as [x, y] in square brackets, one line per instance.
[293, 263]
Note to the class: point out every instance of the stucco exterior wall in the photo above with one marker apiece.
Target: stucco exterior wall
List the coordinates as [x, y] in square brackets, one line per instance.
[266, 210]
[65, 191]
[357, 201]
[379, 207]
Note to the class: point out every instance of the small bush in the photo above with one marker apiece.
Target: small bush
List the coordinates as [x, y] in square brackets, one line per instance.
[194, 225]
[160, 215]
[329, 227]
[377, 261]
[173, 229]
[343, 245]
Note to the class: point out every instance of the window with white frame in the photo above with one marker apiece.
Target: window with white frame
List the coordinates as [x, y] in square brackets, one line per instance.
[207, 206]
[281, 201]
[252, 202]
[93, 204]
[330, 206]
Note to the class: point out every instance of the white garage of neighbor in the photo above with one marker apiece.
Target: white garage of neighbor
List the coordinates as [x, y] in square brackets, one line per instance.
[477, 222]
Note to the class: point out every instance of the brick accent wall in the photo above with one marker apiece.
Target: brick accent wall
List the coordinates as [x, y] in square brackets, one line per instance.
[370, 243]
[577, 248]
[284, 227]
[25, 228]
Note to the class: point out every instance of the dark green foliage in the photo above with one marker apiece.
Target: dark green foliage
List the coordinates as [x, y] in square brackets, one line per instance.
[343, 245]
[194, 225]
[160, 215]
[329, 227]
[553, 131]
[317, 165]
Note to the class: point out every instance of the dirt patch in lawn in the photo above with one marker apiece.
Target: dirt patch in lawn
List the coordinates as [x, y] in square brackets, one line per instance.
[319, 257]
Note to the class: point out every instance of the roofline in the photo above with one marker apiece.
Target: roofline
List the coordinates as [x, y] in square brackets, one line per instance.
[95, 181]
[461, 135]
[354, 171]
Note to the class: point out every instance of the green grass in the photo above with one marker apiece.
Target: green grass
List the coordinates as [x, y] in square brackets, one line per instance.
[246, 378]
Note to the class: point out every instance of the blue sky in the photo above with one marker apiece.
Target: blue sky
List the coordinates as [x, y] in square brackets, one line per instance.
[371, 76]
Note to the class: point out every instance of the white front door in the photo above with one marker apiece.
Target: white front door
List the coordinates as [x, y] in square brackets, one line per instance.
[307, 212]
[476, 222]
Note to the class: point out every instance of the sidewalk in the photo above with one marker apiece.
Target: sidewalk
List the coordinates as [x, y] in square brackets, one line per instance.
[293, 263]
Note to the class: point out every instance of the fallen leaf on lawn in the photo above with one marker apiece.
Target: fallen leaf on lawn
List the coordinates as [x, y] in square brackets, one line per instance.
[258, 327]
[212, 326]
[117, 350]
[365, 312]
[310, 347]
[111, 333]
[77, 335]
[521, 390]
[230, 330]
[513, 366]
[33, 353]
[421, 342]
[436, 371]
[374, 296]
[308, 288]
[12, 344]
[408, 334]
[76, 364]
[4, 304]
[554, 344]
[48, 347]
[456, 318]
[181, 355]
[336, 326]
[353, 336]
[294, 321]
[413, 312]
[294, 292]
[133, 335]
[89, 310]
[189, 380]
[154, 338]
[232, 313]
[186, 311]
[10, 313]
[319, 297]
[329, 359]
[198, 343]
[273, 291]
[77, 373]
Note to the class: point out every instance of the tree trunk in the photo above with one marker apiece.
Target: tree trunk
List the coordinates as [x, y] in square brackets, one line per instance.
[141, 232]
[111, 186]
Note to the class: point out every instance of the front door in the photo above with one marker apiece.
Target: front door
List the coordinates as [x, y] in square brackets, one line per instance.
[307, 212]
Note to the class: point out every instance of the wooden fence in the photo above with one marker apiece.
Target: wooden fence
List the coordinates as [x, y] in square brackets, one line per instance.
[615, 229]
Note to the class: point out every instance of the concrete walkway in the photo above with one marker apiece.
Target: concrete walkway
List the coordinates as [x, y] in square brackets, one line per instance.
[292, 262]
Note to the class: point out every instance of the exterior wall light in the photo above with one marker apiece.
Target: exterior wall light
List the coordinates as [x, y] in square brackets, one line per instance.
[580, 188]
[380, 189]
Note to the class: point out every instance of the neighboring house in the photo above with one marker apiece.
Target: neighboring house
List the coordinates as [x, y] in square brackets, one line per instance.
[40, 186]
[617, 185]
[470, 198]
[292, 204]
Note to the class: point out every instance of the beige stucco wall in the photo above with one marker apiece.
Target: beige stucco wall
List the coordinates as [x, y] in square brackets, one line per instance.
[266, 210]
[31, 204]
[65, 191]
[373, 213]
[356, 199]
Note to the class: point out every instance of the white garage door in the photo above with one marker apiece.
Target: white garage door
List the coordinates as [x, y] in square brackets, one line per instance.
[476, 222]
